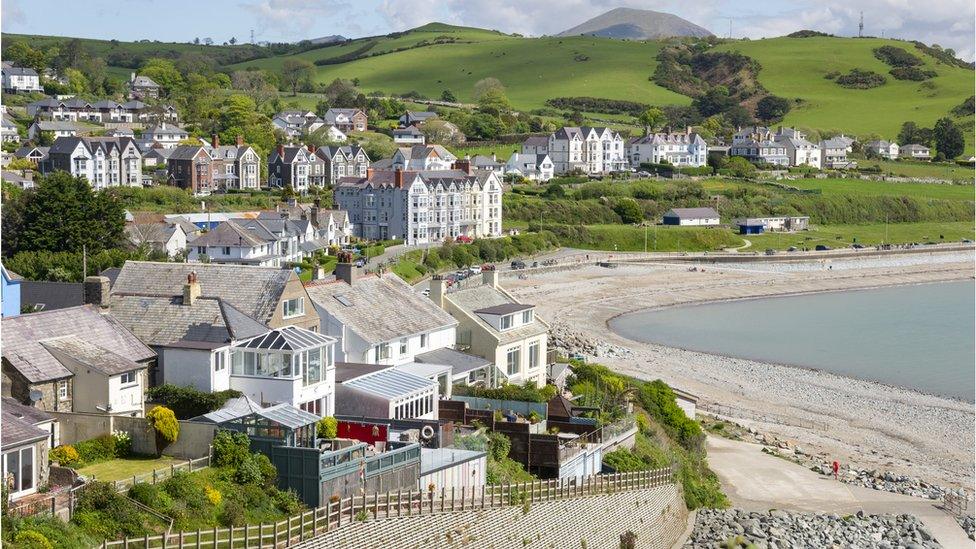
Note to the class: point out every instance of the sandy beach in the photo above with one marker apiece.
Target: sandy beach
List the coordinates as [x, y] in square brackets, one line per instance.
[863, 423]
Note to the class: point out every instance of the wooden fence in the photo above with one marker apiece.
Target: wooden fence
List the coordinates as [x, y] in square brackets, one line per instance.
[340, 513]
[163, 473]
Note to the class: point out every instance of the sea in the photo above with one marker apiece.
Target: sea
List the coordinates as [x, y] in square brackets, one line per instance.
[920, 337]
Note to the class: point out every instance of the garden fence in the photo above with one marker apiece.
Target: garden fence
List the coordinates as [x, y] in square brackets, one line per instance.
[338, 513]
[162, 473]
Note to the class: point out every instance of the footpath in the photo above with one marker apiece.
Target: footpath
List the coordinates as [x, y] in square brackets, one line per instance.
[756, 481]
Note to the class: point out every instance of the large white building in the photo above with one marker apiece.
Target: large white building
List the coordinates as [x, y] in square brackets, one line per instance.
[20, 79]
[683, 149]
[103, 161]
[800, 151]
[587, 149]
[423, 207]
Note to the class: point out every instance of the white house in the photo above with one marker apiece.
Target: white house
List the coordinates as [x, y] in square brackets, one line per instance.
[408, 136]
[103, 161]
[169, 238]
[800, 151]
[231, 242]
[54, 127]
[882, 148]
[757, 144]
[104, 381]
[588, 149]
[8, 130]
[915, 151]
[833, 152]
[683, 149]
[28, 435]
[167, 135]
[534, 167]
[423, 157]
[20, 79]
[691, 217]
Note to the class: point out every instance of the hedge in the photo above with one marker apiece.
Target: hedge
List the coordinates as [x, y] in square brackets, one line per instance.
[187, 402]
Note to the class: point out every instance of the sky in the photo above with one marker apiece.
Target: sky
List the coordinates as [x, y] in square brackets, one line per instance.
[949, 23]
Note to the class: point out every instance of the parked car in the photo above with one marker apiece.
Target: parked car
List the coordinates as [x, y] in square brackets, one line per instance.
[770, 251]
[518, 264]
[791, 249]
[822, 247]
[426, 292]
[549, 262]
[857, 246]
[474, 270]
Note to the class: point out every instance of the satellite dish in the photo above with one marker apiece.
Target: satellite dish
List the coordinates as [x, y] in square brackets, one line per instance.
[35, 395]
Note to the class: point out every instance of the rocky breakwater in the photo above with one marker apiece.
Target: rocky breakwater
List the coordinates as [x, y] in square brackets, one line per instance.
[569, 342]
[722, 528]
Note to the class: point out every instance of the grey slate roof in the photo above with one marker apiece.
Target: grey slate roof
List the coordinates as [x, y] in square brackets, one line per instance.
[484, 297]
[253, 290]
[458, 361]
[22, 336]
[89, 354]
[231, 233]
[693, 213]
[379, 308]
[52, 295]
[390, 384]
[504, 309]
[164, 320]
[19, 424]
[536, 141]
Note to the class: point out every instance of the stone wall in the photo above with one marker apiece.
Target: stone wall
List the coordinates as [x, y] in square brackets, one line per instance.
[657, 515]
[193, 442]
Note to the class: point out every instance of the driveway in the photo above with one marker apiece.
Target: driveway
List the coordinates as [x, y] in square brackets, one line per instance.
[755, 481]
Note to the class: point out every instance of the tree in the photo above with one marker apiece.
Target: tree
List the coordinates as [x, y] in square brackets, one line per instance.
[715, 101]
[448, 95]
[208, 41]
[651, 119]
[909, 133]
[63, 213]
[232, 40]
[77, 82]
[163, 421]
[255, 84]
[629, 211]
[486, 85]
[196, 40]
[494, 102]
[21, 54]
[295, 73]
[948, 137]
[442, 132]
[740, 167]
[164, 73]
[772, 108]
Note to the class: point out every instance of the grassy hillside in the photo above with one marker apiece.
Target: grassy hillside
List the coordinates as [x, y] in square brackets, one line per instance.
[795, 67]
[532, 69]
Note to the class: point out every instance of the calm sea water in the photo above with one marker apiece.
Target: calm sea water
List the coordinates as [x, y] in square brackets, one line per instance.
[920, 337]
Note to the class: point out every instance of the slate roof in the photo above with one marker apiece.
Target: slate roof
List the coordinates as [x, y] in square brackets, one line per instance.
[253, 290]
[536, 141]
[186, 152]
[165, 320]
[19, 424]
[20, 71]
[486, 296]
[52, 295]
[351, 370]
[458, 361]
[693, 213]
[144, 82]
[22, 336]
[96, 357]
[232, 233]
[379, 308]
[504, 309]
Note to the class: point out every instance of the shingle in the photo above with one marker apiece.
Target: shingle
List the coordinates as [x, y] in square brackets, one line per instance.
[380, 308]
[22, 335]
[89, 354]
[18, 427]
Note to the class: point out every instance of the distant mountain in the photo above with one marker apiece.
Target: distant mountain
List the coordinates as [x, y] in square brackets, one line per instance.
[329, 39]
[633, 24]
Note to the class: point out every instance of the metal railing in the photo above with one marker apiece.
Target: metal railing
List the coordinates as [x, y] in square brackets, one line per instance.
[339, 513]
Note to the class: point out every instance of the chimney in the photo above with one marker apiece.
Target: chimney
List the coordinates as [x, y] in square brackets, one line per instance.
[214, 141]
[313, 213]
[463, 165]
[398, 178]
[318, 273]
[191, 290]
[96, 290]
[281, 150]
[493, 158]
[688, 130]
[311, 149]
[438, 287]
[240, 141]
[345, 270]
[369, 173]
[490, 277]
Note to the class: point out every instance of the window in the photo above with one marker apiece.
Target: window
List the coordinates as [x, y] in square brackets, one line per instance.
[226, 250]
[534, 358]
[526, 317]
[202, 250]
[18, 466]
[512, 361]
[383, 351]
[423, 341]
[506, 322]
[403, 346]
[220, 361]
[128, 378]
[313, 367]
[293, 307]
[62, 390]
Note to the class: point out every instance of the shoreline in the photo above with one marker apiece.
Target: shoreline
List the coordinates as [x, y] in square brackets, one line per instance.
[788, 365]
[871, 424]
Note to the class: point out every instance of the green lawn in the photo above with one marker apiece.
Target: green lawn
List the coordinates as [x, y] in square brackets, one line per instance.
[839, 236]
[795, 67]
[884, 188]
[118, 469]
[907, 168]
[661, 238]
[408, 266]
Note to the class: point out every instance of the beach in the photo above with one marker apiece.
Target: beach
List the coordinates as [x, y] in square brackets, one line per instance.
[862, 423]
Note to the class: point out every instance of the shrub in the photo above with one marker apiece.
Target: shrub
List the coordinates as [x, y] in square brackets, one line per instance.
[912, 73]
[328, 427]
[896, 57]
[596, 104]
[861, 79]
[287, 502]
[230, 449]
[659, 401]
[233, 514]
[97, 449]
[66, 455]
[213, 495]
[248, 472]
[187, 402]
[525, 393]
[151, 495]
[123, 443]
[269, 473]
[32, 539]
[163, 421]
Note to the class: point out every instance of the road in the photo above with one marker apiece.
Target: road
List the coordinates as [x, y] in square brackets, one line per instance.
[756, 481]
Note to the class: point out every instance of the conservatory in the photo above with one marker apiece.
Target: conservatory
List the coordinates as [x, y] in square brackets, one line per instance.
[288, 365]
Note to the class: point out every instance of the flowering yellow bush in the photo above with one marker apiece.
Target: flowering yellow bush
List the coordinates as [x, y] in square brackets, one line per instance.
[212, 494]
[164, 422]
[65, 455]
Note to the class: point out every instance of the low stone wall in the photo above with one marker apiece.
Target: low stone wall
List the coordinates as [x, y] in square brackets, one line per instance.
[656, 515]
[193, 442]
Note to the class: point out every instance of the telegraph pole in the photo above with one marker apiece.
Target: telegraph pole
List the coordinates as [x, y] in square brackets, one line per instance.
[860, 27]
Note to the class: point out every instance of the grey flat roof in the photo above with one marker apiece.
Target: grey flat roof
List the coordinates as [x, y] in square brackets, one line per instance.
[390, 384]
[458, 361]
[505, 309]
[436, 459]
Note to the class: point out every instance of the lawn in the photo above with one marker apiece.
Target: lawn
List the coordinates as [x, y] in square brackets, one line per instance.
[661, 238]
[118, 469]
[908, 168]
[408, 266]
[838, 236]
[884, 188]
[795, 67]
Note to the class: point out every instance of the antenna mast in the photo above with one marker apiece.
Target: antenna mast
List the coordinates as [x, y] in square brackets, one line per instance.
[730, 27]
[252, 36]
[860, 27]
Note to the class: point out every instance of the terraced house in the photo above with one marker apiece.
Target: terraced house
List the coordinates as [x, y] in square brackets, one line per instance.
[101, 111]
[103, 161]
[204, 169]
[800, 151]
[423, 207]
[587, 149]
[346, 161]
[685, 148]
[758, 145]
[297, 166]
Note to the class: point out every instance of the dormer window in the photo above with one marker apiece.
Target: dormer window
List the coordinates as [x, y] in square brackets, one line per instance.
[506, 322]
